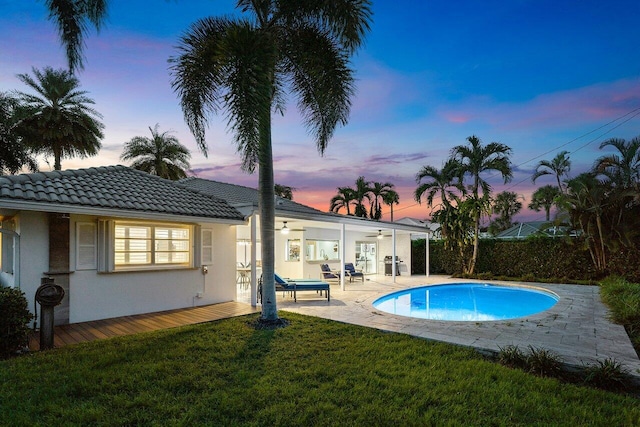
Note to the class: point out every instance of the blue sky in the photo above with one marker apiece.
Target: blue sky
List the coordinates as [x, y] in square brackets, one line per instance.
[540, 76]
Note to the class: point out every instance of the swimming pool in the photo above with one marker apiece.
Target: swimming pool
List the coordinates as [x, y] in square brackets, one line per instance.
[467, 302]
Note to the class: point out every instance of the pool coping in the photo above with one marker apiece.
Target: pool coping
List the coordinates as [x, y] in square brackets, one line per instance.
[576, 328]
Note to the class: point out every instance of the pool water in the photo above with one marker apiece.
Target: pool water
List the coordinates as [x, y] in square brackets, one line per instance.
[467, 302]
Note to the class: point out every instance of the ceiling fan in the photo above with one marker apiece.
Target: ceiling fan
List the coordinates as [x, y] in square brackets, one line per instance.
[285, 229]
[379, 235]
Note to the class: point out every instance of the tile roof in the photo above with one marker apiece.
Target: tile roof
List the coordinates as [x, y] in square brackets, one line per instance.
[116, 188]
[237, 194]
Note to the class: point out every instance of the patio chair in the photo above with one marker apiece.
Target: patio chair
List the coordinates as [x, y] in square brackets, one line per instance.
[328, 274]
[294, 287]
[351, 271]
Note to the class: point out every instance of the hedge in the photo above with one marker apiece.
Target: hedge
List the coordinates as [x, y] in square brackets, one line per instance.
[14, 322]
[539, 257]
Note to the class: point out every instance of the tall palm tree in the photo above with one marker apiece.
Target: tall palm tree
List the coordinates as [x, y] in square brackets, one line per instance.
[160, 155]
[544, 198]
[284, 191]
[13, 154]
[244, 66]
[378, 191]
[59, 121]
[623, 167]
[362, 192]
[559, 167]
[343, 199]
[474, 159]
[73, 17]
[391, 198]
[444, 183]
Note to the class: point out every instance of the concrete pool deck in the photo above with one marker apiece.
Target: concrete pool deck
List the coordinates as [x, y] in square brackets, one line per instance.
[576, 328]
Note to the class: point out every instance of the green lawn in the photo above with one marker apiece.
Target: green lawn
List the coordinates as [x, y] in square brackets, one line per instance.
[313, 372]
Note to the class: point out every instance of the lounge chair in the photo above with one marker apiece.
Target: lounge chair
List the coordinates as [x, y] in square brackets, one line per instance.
[328, 274]
[294, 286]
[350, 270]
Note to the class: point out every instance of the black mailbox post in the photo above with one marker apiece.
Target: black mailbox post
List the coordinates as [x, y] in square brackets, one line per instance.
[48, 296]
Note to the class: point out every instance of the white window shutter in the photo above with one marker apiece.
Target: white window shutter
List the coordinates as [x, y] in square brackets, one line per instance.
[206, 247]
[86, 246]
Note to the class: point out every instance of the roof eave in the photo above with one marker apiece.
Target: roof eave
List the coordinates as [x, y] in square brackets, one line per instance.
[114, 212]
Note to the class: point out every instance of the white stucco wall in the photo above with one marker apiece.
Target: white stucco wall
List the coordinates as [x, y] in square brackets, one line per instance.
[403, 252]
[33, 228]
[96, 295]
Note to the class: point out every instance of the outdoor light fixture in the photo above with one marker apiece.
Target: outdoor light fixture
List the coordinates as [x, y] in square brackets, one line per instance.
[380, 236]
[284, 229]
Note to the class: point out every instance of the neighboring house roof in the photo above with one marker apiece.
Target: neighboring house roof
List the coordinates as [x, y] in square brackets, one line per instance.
[111, 190]
[526, 229]
[413, 221]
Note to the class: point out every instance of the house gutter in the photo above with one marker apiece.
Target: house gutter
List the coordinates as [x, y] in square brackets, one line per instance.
[118, 213]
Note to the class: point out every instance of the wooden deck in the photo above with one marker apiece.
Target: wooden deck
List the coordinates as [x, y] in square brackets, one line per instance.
[99, 329]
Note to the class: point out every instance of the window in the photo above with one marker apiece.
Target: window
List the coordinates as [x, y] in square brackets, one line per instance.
[293, 250]
[8, 239]
[322, 250]
[143, 245]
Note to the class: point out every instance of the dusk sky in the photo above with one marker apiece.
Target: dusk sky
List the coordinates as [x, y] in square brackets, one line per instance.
[540, 76]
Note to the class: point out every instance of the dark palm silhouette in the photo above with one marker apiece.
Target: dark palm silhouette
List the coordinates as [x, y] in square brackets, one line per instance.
[58, 120]
[160, 155]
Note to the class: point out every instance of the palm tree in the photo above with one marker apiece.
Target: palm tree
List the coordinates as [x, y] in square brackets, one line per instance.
[456, 222]
[587, 202]
[391, 198]
[506, 205]
[361, 192]
[559, 166]
[378, 191]
[343, 199]
[13, 154]
[160, 155]
[284, 191]
[444, 183]
[72, 17]
[58, 120]
[622, 168]
[544, 198]
[474, 159]
[244, 66]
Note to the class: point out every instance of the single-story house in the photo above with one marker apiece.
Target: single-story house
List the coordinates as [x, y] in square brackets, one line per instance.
[123, 242]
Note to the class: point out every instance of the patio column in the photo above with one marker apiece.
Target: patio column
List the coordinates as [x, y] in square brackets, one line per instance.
[394, 267]
[342, 254]
[426, 261]
[254, 270]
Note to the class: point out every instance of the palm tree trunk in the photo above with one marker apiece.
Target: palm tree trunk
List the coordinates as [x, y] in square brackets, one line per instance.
[476, 244]
[602, 256]
[57, 156]
[267, 219]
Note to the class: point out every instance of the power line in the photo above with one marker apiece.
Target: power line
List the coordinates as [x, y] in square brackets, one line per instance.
[633, 113]
[637, 113]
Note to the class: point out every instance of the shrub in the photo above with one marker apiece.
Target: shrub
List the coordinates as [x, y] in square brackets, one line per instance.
[14, 329]
[512, 357]
[607, 374]
[544, 362]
